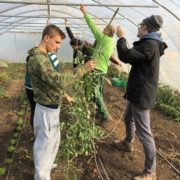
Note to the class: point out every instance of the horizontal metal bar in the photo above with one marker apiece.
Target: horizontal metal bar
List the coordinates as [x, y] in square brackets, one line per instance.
[40, 32]
[25, 27]
[77, 4]
[54, 17]
[21, 29]
[22, 25]
[70, 24]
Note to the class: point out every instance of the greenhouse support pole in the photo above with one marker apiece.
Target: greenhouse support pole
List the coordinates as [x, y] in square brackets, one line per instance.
[159, 3]
[15, 45]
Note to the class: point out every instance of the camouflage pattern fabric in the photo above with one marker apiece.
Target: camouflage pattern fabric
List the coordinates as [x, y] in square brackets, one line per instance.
[47, 83]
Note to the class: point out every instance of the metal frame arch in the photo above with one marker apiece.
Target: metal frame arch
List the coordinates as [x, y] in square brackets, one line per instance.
[43, 10]
[166, 31]
[48, 5]
[122, 16]
[160, 4]
[12, 8]
[31, 21]
[143, 15]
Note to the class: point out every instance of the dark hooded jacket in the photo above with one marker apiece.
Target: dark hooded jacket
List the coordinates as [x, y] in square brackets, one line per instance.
[144, 58]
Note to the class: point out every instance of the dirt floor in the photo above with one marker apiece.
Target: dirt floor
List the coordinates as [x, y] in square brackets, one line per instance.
[118, 165]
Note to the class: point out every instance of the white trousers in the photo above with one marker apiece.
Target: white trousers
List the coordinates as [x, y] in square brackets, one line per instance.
[46, 145]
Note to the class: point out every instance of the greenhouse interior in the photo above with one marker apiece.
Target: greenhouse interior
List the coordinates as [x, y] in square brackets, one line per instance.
[21, 25]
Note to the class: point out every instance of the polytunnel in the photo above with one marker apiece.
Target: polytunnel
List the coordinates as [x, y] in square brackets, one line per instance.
[92, 122]
[22, 22]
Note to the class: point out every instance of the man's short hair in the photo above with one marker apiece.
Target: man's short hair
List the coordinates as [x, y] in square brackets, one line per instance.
[52, 30]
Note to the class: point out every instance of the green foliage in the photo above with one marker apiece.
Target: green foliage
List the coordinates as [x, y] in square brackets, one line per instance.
[8, 161]
[2, 171]
[17, 75]
[4, 61]
[80, 58]
[124, 76]
[18, 128]
[4, 77]
[13, 141]
[80, 129]
[112, 72]
[2, 91]
[23, 106]
[25, 103]
[90, 85]
[168, 101]
[16, 135]
[23, 98]
[21, 113]
[13, 71]
[11, 149]
[20, 121]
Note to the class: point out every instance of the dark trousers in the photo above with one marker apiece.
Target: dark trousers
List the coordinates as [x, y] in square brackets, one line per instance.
[30, 95]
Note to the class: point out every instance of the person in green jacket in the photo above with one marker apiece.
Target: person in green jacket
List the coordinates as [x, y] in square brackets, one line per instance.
[102, 52]
[48, 86]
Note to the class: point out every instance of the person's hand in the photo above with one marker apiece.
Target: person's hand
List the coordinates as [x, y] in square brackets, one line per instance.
[66, 22]
[119, 32]
[69, 99]
[90, 65]
[83, 9]
[86, 44]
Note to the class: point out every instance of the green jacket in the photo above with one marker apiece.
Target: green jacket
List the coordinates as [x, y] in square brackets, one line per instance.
[104, 47]
[47, 83]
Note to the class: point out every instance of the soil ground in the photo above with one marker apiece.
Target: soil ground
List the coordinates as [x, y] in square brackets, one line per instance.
[118, 165]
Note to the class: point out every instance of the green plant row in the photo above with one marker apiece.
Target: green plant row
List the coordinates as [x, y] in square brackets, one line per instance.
[12, 71]
[168, 101]
[13, 141]
[80, 129]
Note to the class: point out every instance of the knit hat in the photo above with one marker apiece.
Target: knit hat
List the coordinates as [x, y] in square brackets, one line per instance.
[153, 23]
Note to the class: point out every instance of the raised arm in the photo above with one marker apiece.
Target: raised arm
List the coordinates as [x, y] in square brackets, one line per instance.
[96, 32]
[70, 34]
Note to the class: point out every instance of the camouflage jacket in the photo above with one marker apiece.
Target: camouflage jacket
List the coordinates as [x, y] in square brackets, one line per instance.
[47, 83]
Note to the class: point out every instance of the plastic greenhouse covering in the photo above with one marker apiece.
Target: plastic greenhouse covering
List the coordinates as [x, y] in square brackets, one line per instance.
[22, 22]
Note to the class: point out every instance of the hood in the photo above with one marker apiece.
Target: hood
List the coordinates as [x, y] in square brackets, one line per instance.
[157, 38]
[162, 46]
[35, 51]
[153, 35]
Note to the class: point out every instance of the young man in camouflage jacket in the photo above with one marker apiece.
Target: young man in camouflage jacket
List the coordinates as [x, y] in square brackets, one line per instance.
[48, 85]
